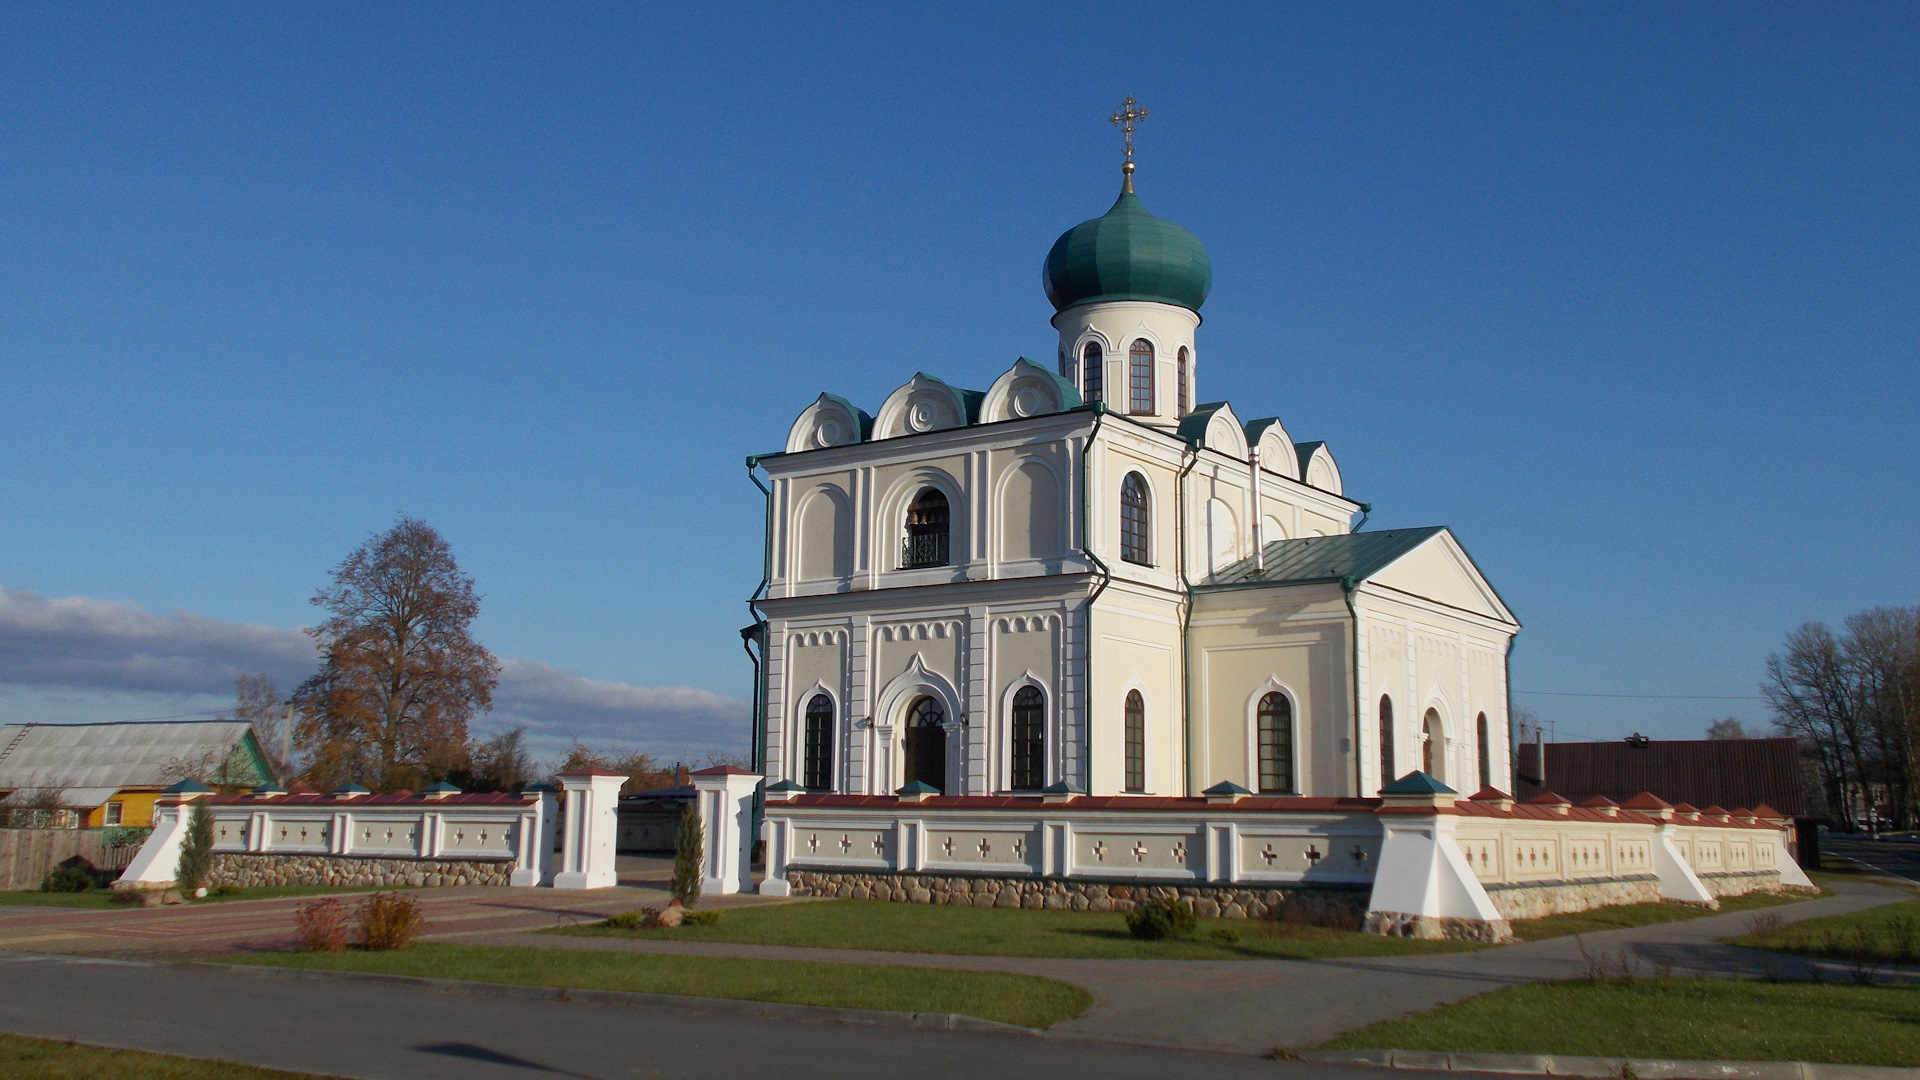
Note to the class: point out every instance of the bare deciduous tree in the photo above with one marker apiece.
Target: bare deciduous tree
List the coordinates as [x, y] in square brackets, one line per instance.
[1727, 727]
[400, 674]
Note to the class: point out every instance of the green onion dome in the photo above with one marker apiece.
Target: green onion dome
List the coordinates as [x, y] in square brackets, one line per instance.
[1128, 254]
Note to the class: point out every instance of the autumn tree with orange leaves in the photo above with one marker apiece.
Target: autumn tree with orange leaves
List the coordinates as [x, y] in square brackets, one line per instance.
[400, 674]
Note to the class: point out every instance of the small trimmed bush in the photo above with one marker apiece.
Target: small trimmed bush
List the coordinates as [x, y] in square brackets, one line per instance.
[321, 926]
[69, 877]
[1161, 920]
[700, 918]
[389, 921]
[637, 919]
[1225, 935]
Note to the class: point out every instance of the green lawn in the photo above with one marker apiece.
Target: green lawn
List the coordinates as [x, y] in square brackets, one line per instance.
[930, 928]
[1889, 934]
[1012, 999]
[22, 1058]
[1626, 915]
[103, 898]
[1714, 1019]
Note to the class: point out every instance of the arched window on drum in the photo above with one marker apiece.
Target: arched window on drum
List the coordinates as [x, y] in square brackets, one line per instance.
[1140, 378]
[1093, 379]
[1134, 520]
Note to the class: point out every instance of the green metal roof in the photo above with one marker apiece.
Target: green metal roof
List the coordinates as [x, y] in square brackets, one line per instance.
[1417, 783]
[1127, 254]
[1193, 427]
[1325, 558]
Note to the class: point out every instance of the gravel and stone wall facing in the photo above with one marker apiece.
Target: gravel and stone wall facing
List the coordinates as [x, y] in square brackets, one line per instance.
[1564, 897]
[251, 871]
[1322, 906]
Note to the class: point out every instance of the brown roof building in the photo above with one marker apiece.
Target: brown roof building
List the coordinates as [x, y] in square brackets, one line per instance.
[1735, 773]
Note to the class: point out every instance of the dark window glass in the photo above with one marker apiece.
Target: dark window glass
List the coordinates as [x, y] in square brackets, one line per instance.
[1275, 722]
[1431, 748]
[1140, 377]
[926, 543]
[1485, 761]
[1065, 372]
[1133, 520]
[1136, 742]
[1180, 380]
[1029, 740]
[818, 772]
[925, 743]
[1092, 383]
[1386, 741]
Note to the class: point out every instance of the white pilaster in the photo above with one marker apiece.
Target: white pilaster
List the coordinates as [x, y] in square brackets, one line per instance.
[593, 806]
[724, 798]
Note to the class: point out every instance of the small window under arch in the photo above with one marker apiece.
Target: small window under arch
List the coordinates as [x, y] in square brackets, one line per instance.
[1134, 520]
[816, 773]
[1136, 742]
[1092, 381]
[927, 530]
[1433, 749]
[1274, 720]
[1486, 758]
[1029, 740]
[1386, 741]
[1140, 377]
[1181, 395]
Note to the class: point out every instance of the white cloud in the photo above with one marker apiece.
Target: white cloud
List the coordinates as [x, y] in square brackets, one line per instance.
[120, 652]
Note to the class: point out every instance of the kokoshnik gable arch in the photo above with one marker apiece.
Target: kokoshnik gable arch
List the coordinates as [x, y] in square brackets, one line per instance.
[1084, 582]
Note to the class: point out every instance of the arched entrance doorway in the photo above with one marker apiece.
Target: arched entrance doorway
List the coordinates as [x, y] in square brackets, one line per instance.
[925, 744]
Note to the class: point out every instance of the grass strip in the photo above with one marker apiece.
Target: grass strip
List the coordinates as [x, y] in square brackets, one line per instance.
[1025, 1000]
[103, 898]
[1628, 915]
[22, 1058]
[1705, 1019]
[968, 931]
[1884, 935]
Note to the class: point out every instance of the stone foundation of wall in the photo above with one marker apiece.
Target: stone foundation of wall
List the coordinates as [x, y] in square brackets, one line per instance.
[1740, 884]
[1437, 927]
[1320, 906]
[1537, 901]
[254, 871]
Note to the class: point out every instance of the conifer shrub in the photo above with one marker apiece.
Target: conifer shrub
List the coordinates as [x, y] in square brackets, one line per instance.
[1161, 920]
[688, 856]
[196, 851]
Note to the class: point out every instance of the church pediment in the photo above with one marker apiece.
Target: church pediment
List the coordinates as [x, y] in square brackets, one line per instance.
[1440, 570]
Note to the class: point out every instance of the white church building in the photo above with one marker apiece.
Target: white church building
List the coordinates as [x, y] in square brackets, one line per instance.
[1085, 630]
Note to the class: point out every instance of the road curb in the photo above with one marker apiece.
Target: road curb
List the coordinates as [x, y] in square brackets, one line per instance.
[1597, 1067]
[635, 999]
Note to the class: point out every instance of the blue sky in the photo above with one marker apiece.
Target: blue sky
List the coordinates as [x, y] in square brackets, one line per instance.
[1626, 295]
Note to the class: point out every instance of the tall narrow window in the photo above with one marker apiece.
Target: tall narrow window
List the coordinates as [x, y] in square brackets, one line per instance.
[1140, 377]
[1029, 739]
[1275, 722]
[1136, 742]
[1433, 746]
[1093, 380]
[1065, 371]
[817, 772]
[924, 745]
[1386, 741]
[1134, 520]
[1180, 392]
[926, 542]
[1486, 771]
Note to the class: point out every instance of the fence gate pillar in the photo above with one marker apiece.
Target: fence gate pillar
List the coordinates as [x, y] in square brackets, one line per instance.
[593, 817]
[725, 801]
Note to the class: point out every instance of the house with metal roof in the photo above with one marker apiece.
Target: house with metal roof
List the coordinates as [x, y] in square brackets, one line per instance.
[93, 775]
[1087, 579]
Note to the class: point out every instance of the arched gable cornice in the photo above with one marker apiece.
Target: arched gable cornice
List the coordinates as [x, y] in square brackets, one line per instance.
[1317, 468]
[1214, 426]
[1027, 389]
[925, 404]
[1276, 449]
[830, 421]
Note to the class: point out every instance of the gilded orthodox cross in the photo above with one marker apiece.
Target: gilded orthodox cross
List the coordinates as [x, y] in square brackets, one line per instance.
[1130, 114]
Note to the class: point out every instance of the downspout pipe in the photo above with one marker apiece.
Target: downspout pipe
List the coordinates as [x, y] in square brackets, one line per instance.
[1106, 576]
[1513, 748]
[1186, 616]
[758, 632]
[1366, 511]
[1347, 587]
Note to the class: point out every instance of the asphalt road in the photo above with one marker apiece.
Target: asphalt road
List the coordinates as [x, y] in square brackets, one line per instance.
[1894, 859]
[379, 1032]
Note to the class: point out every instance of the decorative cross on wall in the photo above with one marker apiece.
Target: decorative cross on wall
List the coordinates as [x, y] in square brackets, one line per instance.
[1269, 854]
[1359, 853]
[948, 847]
[846, 844]
[1313, 855]
[879, 846]
[1139, 851]
[1019, 847]
[1100, 850]
[1180, 850]
[813, 842]
[984, 847]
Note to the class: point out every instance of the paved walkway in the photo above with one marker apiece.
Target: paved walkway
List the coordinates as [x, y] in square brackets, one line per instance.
[1255, 1005]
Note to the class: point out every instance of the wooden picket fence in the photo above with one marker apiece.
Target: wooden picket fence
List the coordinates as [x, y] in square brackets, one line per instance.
[27, 855]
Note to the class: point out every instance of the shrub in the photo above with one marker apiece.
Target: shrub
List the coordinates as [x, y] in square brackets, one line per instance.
[228, 889]
[700, 918]
[1158, 920]
[1766, 925]
[688, 856]
[1225, 935]
[196, 851]
[69, 877]
[389, 921]
[321, 926]
[637, 919]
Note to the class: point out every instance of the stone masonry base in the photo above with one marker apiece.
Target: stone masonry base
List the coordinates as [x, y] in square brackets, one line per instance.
[1321, 906]
[252, 871]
